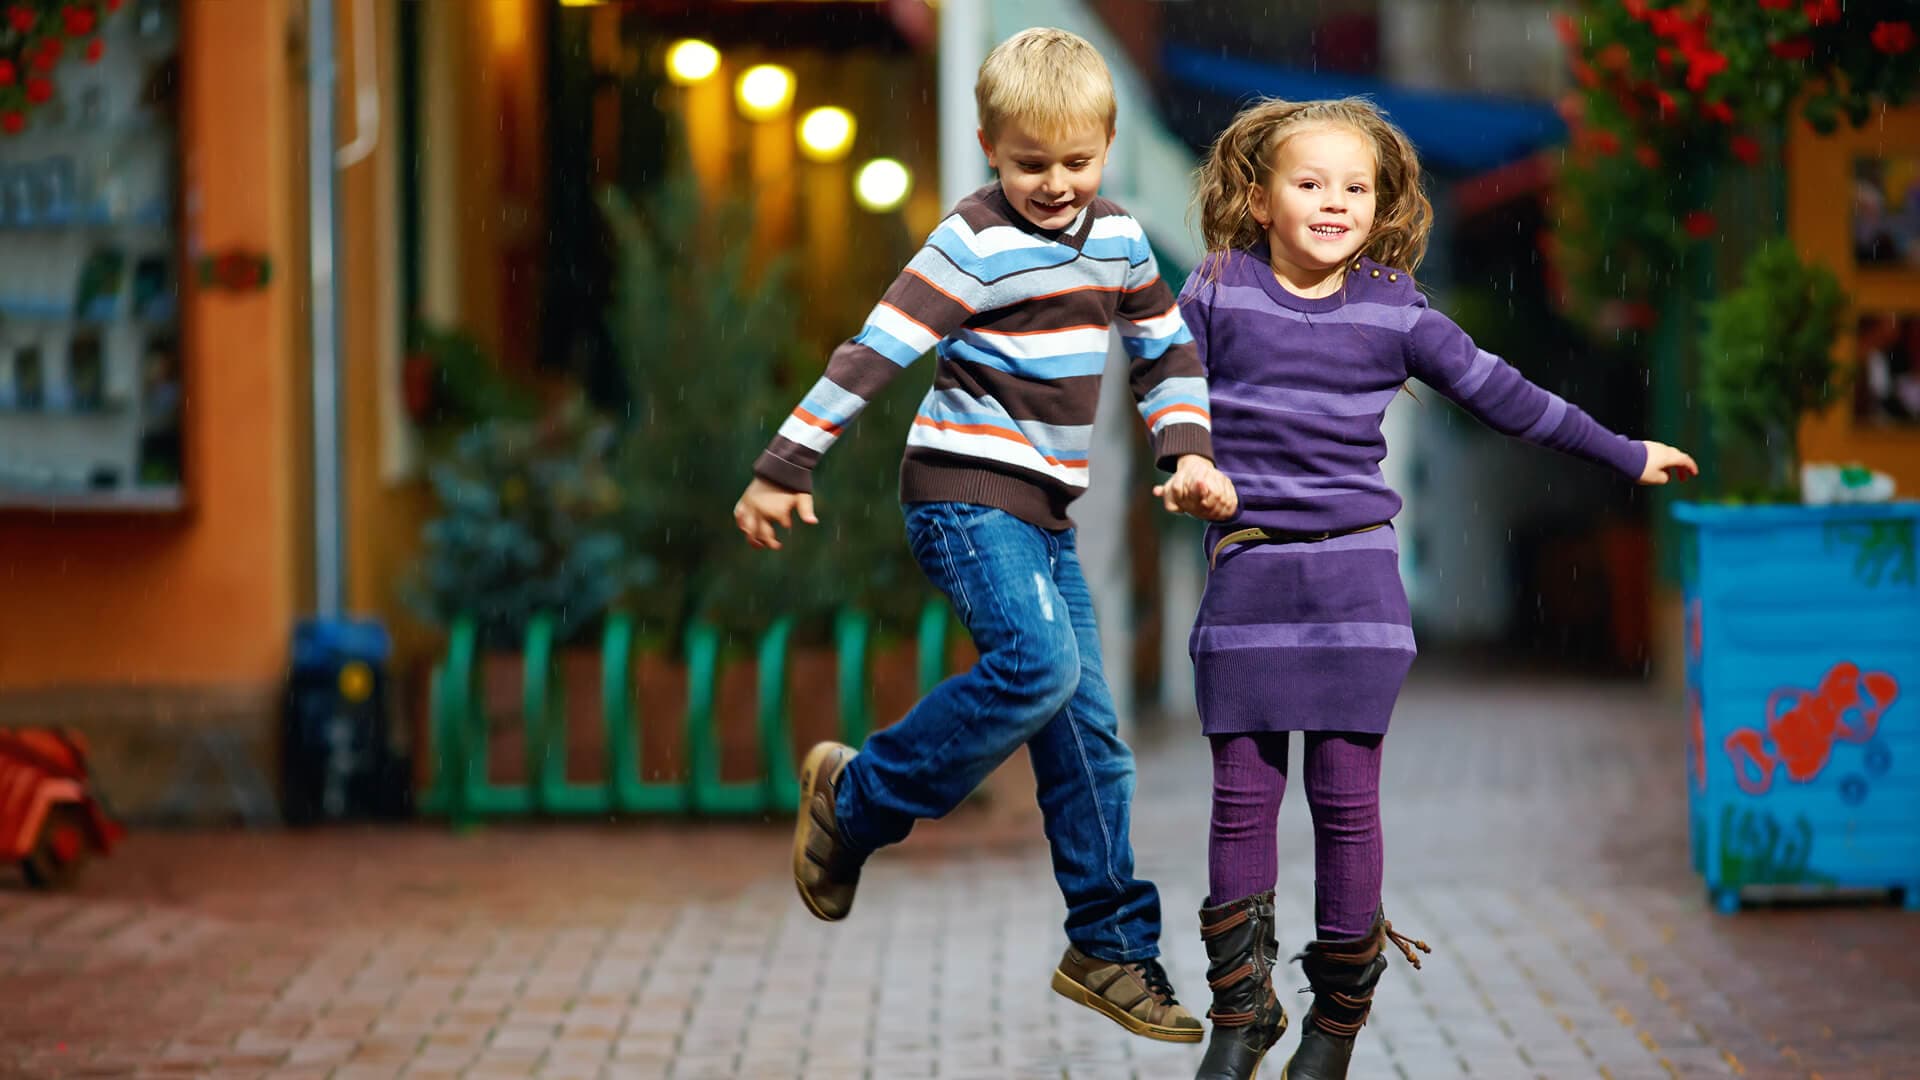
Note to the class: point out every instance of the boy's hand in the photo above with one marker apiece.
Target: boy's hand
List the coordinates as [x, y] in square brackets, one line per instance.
[1198, 488]
[764, 503]
[1666, 463]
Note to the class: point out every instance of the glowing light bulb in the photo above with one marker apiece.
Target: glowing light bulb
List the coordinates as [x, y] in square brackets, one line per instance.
[882, 185]
[764, 91]
[826, 133]
[691, 60]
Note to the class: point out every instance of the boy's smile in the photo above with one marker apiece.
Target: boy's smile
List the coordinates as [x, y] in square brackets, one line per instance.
[1049, 180]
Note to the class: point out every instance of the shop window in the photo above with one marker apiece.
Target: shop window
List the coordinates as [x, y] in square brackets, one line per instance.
[91, 390]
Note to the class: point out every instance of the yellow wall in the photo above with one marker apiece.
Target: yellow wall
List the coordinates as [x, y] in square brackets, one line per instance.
[1819, 209]
[206, 596]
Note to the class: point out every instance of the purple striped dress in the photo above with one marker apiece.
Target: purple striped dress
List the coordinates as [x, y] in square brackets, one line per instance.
[1317, 636]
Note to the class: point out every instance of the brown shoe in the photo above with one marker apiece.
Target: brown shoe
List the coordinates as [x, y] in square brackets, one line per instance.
[825, 869]
[1136, 996]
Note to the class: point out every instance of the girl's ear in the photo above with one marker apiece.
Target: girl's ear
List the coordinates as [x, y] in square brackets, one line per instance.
[1257, 205]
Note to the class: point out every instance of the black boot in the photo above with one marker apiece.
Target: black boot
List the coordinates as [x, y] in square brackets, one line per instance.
[1246, 1014]
[1342, 975]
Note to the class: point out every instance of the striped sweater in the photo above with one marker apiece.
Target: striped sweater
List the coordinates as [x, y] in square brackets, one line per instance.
[1300, 386]
[1019, 319]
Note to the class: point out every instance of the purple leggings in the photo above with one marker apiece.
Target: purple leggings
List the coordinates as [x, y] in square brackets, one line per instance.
[1343, 793]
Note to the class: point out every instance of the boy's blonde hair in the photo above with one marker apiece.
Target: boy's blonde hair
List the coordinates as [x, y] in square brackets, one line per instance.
[1048, 80]
[1242, 158]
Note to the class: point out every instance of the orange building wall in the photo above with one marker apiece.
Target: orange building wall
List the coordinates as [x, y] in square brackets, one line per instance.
[208, 596]
[1819, 208]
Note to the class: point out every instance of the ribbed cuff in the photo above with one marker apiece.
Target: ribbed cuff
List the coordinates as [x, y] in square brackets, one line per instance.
[778, 470]
[1627, 455]
[1175, 441]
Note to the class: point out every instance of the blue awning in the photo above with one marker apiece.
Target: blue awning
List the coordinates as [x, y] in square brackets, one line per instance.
[1456, 133]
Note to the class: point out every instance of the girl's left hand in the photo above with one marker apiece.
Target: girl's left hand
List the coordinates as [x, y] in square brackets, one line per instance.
[1665, 463]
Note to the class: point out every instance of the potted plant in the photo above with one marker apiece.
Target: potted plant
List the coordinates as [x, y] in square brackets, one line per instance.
[706, 337]
[526, 528]
[1802, 659]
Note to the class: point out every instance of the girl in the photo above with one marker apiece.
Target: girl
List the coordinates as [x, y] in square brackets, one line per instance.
[1309, 323]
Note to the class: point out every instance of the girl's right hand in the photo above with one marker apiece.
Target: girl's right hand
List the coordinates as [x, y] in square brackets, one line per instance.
[1665, 463]
[1198, 488]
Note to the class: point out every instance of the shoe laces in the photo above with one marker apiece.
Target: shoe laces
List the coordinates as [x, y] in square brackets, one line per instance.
[1155, 976]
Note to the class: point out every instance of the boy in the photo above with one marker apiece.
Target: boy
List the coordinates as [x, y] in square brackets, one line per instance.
[1015, 291]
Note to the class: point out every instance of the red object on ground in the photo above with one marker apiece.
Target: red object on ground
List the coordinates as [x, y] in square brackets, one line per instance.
[50, 820]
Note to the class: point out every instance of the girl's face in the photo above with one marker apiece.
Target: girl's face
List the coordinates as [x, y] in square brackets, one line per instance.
[1318, 203]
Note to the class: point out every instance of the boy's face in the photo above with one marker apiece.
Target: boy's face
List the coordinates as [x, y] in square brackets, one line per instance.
[1318, 204]
[1049, 180]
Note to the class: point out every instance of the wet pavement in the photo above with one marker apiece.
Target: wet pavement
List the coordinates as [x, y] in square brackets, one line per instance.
[1535, 837]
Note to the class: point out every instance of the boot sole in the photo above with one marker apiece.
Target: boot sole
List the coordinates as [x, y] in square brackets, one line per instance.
[809, 769]
[1064, 985]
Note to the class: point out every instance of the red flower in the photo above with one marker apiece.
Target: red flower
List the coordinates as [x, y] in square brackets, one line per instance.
[1604, 141]
[1689, 34]
[1564, 26]
[1585, 74]
[95, 50]
[45, 61]
[1703, 65]
[39, 90]
[1744, 148]
[1893, 38]
[1699, 224]
[80, 21]
[22, 17]
[1667, 104]
[1647, 156]
[7, 73]
[1635, 8]
[13, 122]
[1822, 12]
[1664, 54]
[1614, 57]
[1776, 5]
[1718, 110]
[1792, 49]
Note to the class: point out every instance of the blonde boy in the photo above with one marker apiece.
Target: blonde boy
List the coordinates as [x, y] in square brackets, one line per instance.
[1015, 293]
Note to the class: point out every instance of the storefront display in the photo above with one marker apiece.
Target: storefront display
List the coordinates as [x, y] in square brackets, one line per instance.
[90, 393]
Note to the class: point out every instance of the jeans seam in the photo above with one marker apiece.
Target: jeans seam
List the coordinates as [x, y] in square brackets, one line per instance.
[1000, 609]
[1099, 816]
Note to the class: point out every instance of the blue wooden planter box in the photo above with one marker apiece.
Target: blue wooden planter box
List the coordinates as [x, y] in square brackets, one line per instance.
[1803, 686]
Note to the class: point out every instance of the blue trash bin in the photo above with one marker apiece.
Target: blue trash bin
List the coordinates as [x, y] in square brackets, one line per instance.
[341, 758]
[1803, 685]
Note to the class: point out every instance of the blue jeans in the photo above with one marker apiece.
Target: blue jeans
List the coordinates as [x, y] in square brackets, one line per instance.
[1020, 592]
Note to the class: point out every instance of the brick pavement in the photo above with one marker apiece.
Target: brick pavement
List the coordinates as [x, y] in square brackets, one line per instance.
[1535, 837]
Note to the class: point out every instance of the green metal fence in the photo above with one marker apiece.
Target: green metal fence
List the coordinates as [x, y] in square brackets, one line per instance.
[463, 792]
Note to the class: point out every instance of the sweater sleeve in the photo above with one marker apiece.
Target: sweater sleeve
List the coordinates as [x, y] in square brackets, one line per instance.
[1441, 355]
[930, 299]
[1168, 382]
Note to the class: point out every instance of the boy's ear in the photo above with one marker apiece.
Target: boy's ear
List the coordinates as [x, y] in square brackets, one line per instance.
[986, 146]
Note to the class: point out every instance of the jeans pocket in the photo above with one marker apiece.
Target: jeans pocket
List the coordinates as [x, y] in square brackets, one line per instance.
[932, 535]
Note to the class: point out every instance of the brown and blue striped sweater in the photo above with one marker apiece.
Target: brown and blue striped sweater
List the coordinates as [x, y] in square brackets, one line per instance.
[1019, 318]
